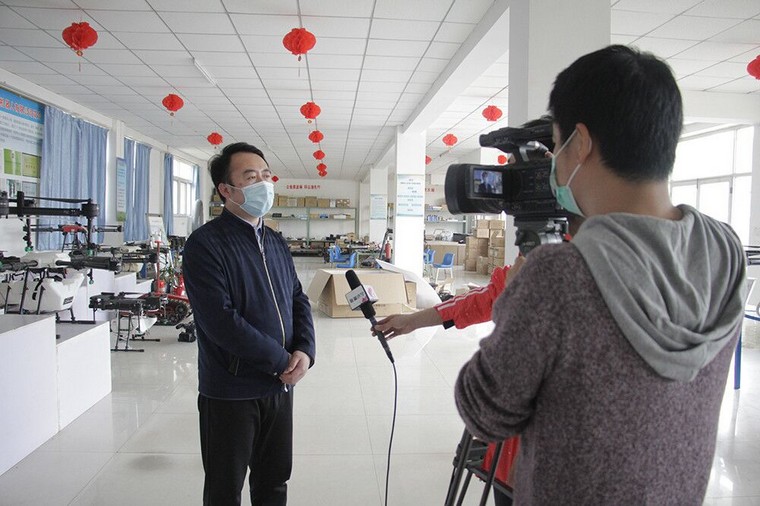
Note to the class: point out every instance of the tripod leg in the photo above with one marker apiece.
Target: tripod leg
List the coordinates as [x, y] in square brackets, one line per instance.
[460, 460]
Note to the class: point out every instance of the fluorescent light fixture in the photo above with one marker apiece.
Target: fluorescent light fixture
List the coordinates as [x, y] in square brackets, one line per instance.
[205, 73]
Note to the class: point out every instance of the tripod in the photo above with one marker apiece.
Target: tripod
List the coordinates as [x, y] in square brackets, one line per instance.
[468, 460]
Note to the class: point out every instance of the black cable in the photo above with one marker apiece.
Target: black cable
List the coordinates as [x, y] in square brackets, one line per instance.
[393, 428]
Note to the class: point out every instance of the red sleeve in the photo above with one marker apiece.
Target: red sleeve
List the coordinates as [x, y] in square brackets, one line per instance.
[474, 306]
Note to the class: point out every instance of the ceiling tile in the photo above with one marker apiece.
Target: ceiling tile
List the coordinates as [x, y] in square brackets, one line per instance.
[693, 28]
[390, 63]
[55, 19]
[263, 43]
[435, 65]
[635, 23]
[469, 11]
[97, 55]
[31, 38]
[746, 32]
[622, 39]
[264, 24]
[742, 9]
[128, 21]
[746, 84]
[204, 42]
[132, 5]
[62, 4]
[715, 51]
[442, 50]
[153, 41]
[187, 5]
[317, 61]
[145, 81]
[424, 10]
[727, 70]
[656, 6]
[176, 70]
[682, 67]
[700, 83]
[454, 32]
[403, 30]
[52, 54]
[320, 26]
[286, 7]
[163, 58]
[405, 48]
[9, 19]
[9, 53]
[282, 59]
[664, 48]
[128, 70]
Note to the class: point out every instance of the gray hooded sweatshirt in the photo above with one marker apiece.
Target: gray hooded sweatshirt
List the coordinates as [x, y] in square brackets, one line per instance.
[674, 288]
[609, 357]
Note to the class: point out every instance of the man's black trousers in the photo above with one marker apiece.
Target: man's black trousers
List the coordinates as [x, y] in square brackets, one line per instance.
[237, 435]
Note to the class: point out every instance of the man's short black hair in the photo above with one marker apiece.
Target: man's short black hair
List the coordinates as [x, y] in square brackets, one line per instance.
[219, 164]
[631, 105]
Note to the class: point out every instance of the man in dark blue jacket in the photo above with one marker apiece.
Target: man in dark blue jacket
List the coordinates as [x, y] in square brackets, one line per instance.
[255, 335]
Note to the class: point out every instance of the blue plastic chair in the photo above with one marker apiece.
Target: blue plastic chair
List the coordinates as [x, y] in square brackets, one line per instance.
[351, 262]
[335, 256]
[447, 264]
[428, 260]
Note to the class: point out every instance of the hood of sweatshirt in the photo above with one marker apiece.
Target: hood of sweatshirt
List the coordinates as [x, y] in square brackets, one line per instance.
[676, 289]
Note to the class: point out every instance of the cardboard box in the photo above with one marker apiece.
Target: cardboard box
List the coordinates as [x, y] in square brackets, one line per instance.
[329, 287]
[482, 265]
[301, 202]
[291, 202]
[496, 236]
[496, 224]
[310, 201]
[323, 202]
[482, 233]
[411, 293]
[273, 224]
[496, 252]
[471, 263]
[482, 224]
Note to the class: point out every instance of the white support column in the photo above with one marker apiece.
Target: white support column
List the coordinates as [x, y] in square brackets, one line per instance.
[378, 203]
[546, 36]
[754, 215]
[409, 212]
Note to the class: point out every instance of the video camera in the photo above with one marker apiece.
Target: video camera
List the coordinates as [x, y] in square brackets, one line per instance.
[520, 189]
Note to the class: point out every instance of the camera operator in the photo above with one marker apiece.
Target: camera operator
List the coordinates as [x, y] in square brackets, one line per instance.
[610, 353]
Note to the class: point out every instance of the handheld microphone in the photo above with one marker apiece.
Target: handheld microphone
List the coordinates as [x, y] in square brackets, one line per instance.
[359, 298]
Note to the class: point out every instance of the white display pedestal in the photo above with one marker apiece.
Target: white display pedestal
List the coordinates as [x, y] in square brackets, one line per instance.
[46, 383]
[28, 389]
[84, 368]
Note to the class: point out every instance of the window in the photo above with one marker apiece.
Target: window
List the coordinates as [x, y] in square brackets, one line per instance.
[183, 188]
[713, 173]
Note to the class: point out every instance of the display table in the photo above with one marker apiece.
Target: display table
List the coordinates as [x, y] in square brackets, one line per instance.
[443, 247]
[28, 386]
[46, 383]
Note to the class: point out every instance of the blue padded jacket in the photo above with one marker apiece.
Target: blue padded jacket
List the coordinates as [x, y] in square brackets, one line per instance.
[249, 307]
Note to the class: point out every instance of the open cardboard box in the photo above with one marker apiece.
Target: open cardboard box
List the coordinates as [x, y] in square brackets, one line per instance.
[329, 287]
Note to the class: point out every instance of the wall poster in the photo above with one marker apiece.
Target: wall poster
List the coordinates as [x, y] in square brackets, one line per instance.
[21, 131]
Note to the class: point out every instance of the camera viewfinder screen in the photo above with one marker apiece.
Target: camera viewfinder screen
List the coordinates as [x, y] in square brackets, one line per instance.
[487, 182]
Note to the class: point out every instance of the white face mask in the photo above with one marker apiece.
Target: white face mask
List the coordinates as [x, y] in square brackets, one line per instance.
[259, 198]
[564, 194]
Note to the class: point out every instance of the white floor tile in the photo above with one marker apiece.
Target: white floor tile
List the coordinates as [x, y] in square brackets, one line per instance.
[139, 445]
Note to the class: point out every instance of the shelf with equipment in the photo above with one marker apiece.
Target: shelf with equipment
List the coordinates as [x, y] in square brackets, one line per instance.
[307, 229]
[438, 219]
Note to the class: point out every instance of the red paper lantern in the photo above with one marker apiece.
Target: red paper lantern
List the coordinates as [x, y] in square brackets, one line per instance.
[428, 160]
[215, 138]
[316, 136]
[299, 41]
[501, 159]
[450, 139]
[323, 174]
[492, 113]
[173, 103]
[319, 154]
[753, 68]
[321, 167]
[80, 36]
[275, 179]
[310, 110]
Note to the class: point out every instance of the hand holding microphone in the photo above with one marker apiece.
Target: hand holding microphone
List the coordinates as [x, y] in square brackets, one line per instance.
[358, 298]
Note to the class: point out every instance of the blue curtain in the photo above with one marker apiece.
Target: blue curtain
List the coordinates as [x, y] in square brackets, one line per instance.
[169, 193]
[129, 159]
[138, 175]
[73, 166]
